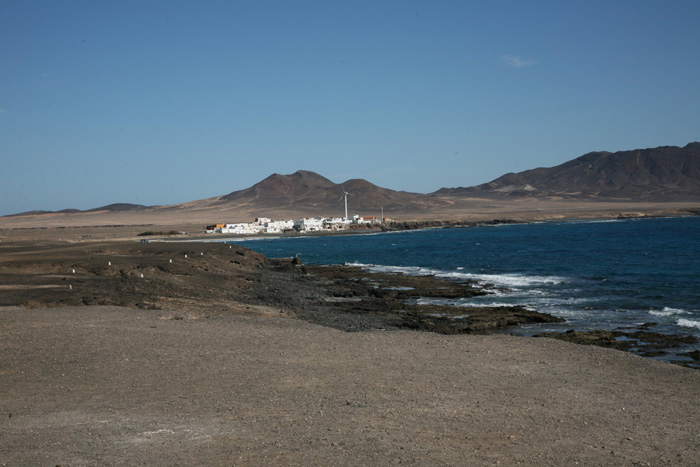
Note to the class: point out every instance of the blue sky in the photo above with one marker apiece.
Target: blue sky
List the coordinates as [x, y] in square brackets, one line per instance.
[166, 102]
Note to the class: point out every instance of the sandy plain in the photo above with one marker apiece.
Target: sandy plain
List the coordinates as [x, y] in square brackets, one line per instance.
[118, 386]
[107, 385]
[192, 217]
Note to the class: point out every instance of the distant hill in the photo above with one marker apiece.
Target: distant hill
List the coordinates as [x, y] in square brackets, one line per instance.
[116, 207]
[661, 174]
[666, 173]
[120, 207]
[306, 190]
[303, 193]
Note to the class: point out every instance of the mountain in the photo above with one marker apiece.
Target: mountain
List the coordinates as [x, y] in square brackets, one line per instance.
[310, 192]
[116, 207]
[302, 186]
[666, 173]
[303, 193]
[661, 174]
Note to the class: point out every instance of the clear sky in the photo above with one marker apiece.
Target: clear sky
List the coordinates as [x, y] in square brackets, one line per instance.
[164, 102]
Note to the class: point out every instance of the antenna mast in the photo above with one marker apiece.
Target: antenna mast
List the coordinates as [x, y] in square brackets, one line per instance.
[346, 204]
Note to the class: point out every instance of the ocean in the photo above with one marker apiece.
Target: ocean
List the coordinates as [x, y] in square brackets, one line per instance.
[605, 274]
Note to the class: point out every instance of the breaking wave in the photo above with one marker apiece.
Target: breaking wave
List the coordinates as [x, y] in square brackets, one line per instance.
[666, 311]
[498, 280]
[688, 323]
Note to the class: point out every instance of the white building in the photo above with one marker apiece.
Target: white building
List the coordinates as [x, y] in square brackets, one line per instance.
[239, 229]
[334, 223]
[308, 224]
[278, 226]
[265, 225]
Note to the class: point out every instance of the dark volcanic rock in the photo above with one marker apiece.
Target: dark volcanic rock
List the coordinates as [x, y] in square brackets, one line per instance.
[695, 355]
[648, 344]
[351, 299]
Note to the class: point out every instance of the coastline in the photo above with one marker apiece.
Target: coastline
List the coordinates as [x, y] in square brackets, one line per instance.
[102, 225]
[410, 225]
[216, 278]
[221, 278]
[202, 362]
[405, 226]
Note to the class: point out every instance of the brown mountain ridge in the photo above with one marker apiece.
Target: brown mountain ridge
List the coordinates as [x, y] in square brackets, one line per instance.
[666, 173]
[662, 174]
[308, 190]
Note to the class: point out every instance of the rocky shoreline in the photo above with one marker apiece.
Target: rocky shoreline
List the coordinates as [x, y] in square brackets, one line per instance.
[357, 300]
[352, 299]
[213, 279]
[640, 341]
[210, 279]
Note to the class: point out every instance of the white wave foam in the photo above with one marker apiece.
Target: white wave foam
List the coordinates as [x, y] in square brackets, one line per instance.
[464, 304]
[667, 312]
[493, 304]
[561, 301]
[599, 221]
[503, 280]
[408, 270]
[688, 323]
[499, 280]
[519, 280]
[257, 239]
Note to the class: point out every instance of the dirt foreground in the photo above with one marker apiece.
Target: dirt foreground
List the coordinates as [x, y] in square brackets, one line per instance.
[117, 386]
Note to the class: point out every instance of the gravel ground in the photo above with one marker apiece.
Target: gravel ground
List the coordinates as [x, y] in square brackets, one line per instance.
[117, 386]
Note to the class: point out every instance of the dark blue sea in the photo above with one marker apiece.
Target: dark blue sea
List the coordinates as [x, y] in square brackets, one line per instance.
[608, 274]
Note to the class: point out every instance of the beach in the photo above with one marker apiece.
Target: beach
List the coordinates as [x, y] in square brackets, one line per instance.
[212, 360]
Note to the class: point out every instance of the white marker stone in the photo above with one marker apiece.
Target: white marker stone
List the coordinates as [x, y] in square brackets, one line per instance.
[141, 276]
[70, 287]
[109, 263]
[185, 256]
[171, 260]
[73, 271]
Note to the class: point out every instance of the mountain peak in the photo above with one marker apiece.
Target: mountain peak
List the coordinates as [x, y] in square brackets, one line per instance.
[665, 173]
[307, 191]
[358, 184]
